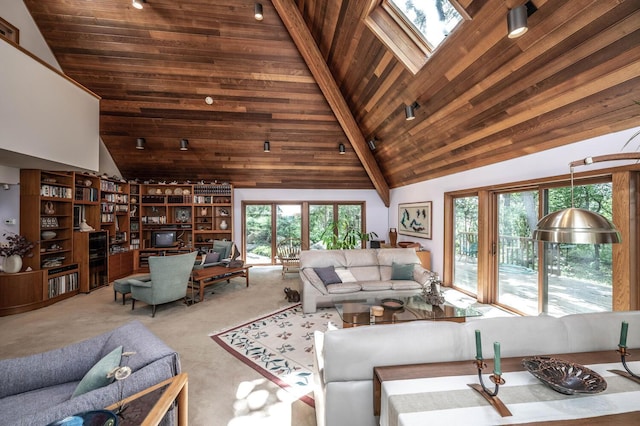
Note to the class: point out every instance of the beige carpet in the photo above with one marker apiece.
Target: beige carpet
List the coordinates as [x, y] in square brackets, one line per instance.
[222, 390]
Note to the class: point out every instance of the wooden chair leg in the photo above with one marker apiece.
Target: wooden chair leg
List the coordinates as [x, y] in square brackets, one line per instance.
[115, 296]
[133, 303]
[153, 311]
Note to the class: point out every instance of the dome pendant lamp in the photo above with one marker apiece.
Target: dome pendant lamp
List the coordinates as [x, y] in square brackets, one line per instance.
[580, 226]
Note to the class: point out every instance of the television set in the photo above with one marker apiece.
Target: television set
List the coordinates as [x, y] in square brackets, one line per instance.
[163, 239]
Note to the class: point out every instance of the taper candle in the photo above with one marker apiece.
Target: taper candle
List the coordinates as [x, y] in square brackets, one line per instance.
[478, 345]
[496, 358]
[623, 334]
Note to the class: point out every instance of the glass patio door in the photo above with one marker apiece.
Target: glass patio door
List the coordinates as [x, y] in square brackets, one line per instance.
[261, 242]
[516, 252]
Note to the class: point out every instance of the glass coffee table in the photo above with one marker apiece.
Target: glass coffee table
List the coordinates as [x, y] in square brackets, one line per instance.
[402, 309]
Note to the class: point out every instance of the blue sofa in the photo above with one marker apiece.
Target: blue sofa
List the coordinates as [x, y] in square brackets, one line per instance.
[37, 389]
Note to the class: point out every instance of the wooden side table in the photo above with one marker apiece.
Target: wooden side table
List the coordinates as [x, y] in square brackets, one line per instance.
[176, 390]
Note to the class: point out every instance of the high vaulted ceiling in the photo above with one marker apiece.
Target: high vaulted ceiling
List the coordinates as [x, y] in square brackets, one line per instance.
[312, 75]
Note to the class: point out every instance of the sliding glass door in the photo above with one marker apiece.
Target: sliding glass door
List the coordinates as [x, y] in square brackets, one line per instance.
[465, 236]
[258, 233]
[516, 252]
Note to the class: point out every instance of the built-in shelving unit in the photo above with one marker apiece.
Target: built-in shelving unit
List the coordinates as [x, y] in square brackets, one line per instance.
[46, 215]
[114, 213]
[124, 215]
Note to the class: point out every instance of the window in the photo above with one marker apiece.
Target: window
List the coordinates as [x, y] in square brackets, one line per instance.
[431, 20]
[259, 222]
[413, 29]
[517, 272]
[267, 224]
[516, 251]
[578, 277]
[258, 234]
[348, 215]
[465, 228]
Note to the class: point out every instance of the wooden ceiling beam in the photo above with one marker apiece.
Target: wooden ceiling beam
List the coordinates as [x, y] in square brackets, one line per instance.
[309, 50]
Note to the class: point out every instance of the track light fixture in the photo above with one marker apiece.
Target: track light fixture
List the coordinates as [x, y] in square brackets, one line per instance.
[140, 142]
[409, 111]
[341, 149]
[257, 12]
[517, 21]
[267, 146]
[138, 4]
[372, 144]
[184, 144]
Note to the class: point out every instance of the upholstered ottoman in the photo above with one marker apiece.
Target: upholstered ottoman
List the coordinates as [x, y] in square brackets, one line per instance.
[122, 285]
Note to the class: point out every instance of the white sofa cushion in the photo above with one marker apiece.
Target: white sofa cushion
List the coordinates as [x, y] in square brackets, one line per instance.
[388, 257]
[519, 336]
[404, 285]
[364, 257]
[322, 258]
[375, 285]
[343, 288]
[601, 331]
[346, 276]
[351, 354]
[366, 273]
[315, 280]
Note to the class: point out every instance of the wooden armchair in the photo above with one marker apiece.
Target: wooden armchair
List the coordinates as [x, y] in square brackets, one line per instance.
[288, 253]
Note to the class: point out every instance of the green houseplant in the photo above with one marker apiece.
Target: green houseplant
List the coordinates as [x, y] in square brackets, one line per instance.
[343, 235]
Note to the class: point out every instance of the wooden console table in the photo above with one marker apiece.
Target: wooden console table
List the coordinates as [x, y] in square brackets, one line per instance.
[213, 274]
[468, 368]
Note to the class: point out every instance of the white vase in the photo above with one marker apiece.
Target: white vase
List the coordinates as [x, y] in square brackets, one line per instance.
[223, 225]
[12, 264]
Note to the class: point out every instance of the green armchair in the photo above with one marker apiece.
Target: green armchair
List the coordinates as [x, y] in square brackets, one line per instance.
[169, 280]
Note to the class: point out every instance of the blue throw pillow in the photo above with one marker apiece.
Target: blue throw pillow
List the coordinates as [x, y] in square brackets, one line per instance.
[97, 376]
[401, 271]
[328, 275]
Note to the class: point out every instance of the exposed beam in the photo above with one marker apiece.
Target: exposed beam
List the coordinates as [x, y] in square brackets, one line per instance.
[309, 50]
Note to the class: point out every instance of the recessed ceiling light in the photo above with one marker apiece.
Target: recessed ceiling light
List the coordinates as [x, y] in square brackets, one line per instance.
[208, 100]
[138, 4]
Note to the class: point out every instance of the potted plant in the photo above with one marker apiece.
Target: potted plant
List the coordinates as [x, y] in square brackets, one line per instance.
[342, 235]
[13, 250]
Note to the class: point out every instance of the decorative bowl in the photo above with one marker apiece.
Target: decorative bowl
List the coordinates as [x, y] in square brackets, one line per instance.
[393, 304]
[565, 377]
[47, 235]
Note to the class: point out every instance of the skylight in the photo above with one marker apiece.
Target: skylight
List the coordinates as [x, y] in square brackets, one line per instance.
[432, 20]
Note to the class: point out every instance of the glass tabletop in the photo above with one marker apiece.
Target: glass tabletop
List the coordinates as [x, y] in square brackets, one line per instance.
[401, 309]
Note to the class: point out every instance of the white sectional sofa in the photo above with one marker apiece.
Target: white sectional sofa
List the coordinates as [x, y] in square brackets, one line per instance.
[344, 358]
[371, 272]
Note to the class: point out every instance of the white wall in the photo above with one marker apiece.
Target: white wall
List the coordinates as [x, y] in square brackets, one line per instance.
[44, 115]
[16, 13]
[548, 163]
[377, 213]
[9, 199]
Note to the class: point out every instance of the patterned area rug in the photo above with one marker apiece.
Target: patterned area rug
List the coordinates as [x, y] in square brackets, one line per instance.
[280, 346]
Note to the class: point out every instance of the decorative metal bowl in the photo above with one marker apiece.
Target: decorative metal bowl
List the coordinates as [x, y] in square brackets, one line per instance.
[393, 304]
[565, 377]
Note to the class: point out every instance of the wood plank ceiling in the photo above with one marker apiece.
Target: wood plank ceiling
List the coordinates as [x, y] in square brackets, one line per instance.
[483, 97]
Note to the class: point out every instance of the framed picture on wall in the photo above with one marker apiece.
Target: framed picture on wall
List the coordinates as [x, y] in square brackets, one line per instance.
[414, 219]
